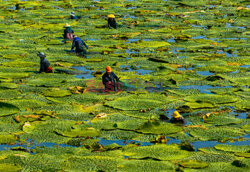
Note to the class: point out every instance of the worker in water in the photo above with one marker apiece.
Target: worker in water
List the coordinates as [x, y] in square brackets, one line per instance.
[177, 118]
[73, 16]
[68, 32]
[111, 21]
[79, 45]
[44, 64]
[109, 80]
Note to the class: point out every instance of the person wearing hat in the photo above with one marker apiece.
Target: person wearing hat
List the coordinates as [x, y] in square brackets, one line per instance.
[109, 79]
[177, 118]
[72, 15]
[111, 21]
[68, 32]
[79, 45]
[44, 64]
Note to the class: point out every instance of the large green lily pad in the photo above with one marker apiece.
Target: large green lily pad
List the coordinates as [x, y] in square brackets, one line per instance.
[155, 127]
[81, 132]
[6, 138]
[92, 163]
[7, 109]
[10, 167]
[137, 102]
[193, 164]
[216, 133]
[145, 165]
[56, 93]
[222, 120]
[233, 148]
[214, 99]
[161, 151]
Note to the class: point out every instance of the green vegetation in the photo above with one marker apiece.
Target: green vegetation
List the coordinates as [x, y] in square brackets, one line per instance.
[185, 55]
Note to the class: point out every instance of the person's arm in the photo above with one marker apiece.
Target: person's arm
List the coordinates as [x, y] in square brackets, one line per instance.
[85, 44]
[116, 78]
[47, 64]
[42, 67]
[115, 24]
[109, 21]
[73, 45]
[104, 79]
[65, 33]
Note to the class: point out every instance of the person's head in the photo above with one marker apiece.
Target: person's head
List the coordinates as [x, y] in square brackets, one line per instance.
[72, 13]
[74, 36]
[41, 55]
[108, 69]
[112, 16]
[66, 25]
[176, 114]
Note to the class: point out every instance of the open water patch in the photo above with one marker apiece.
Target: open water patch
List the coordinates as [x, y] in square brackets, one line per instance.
[136, 69]
[132, 40]
[86, 73]
[202, 144]
[204, 73]
[245, 66]
[182, 68]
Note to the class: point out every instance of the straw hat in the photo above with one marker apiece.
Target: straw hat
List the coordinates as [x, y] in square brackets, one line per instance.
[176, 114]
[111, 16]
[67, 25]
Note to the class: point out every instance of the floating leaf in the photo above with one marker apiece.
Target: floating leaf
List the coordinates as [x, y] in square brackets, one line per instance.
[233, 148]
[6, 138]
[145, 165]
[56, 93]
[161, 151]
[155, 127]
[193, 164]
[10, 167]
[215, 133]
[137, 102]
[7, 109]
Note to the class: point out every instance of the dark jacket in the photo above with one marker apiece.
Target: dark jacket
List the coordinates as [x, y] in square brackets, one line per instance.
[44, 64]
[78, 43]
[112, 77]
[112, 23]
[68, 31]
[73, 17]
[179, 120]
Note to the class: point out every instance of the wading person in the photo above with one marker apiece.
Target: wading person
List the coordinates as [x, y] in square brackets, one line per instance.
[68, 32]
[79, 45]
[44, 64]
[109, 80]
[177, 118]
[111, 21]
[73, 16]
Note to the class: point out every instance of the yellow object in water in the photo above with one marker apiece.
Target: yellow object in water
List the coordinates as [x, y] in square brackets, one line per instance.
[176, 114]
[111, 16]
